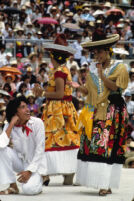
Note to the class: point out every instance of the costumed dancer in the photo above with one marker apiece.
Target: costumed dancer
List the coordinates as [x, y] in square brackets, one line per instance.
[104, 118]
[59, 115]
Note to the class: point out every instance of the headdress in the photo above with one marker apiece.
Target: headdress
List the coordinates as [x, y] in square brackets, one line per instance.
[60, 45]
[100, 40]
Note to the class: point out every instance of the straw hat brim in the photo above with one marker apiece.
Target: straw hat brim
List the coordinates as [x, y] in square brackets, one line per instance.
[128, 160]
[109, 41]
[61, 48]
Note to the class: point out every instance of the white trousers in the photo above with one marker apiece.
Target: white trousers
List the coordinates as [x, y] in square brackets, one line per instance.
[10, 164]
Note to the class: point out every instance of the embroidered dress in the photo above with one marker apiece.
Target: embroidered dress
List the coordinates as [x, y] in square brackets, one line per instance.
[59, 116]
[102, 151]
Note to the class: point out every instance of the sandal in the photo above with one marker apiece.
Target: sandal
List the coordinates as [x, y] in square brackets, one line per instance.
[9, 190]
[102, 192]
[46, 180]
[109, 191]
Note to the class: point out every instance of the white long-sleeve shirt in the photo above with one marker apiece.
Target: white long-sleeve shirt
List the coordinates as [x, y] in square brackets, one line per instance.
[29, 148]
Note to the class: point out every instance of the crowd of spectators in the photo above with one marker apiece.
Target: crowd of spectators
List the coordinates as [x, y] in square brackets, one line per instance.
[22, 39]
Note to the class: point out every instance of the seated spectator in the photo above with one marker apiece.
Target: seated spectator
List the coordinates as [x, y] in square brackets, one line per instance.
[130, 106]
[19, 62]
[8, 59]
[33, 107]
[7, 88]
[71, 62]
[33, 61]
[82, 73]
[9, 79]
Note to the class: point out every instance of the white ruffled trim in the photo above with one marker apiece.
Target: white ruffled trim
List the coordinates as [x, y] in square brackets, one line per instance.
[98, 175]
[59, 162]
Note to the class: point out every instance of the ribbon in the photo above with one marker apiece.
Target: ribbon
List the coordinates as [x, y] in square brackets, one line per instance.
[26, 128]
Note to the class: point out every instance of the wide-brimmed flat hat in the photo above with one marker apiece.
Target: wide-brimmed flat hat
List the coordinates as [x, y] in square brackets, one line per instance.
[7, 75]
[60, 45]
[100, 40]
[32, 54]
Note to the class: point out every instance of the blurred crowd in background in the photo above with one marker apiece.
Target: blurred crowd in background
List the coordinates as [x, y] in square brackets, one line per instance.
[26, 25]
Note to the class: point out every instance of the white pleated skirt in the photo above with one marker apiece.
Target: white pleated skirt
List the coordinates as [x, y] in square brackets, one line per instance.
[59, 162]
[98, 175]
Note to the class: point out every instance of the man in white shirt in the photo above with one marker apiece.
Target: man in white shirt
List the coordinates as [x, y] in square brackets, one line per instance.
[26, 134]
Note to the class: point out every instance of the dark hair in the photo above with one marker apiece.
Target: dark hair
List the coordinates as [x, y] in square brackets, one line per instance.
[130, 74]
[13, 105]
[8, 86]
[22, 85]
[60, 57]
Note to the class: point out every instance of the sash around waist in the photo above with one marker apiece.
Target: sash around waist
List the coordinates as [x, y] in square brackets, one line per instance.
[65, 98]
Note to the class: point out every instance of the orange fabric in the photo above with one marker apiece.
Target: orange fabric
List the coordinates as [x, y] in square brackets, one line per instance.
[60, 117]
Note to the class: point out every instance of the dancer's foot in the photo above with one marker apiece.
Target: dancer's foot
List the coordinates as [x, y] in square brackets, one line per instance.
[46, 180]
[102, 192]
[68, 179]
[13, 189]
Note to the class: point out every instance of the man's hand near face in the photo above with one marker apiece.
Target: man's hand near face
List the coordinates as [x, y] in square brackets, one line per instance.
[24, 176]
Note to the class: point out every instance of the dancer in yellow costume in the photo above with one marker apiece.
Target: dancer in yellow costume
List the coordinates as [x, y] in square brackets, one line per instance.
[104, 119]
[59, 115]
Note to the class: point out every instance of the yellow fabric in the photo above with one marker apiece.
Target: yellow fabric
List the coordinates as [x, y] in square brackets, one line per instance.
[86, 120]
[120, 76]
[60, 117]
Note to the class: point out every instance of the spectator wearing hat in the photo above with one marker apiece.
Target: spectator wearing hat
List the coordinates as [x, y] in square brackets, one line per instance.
[71, 62]
[83, 72]
[33, 61]
[29, 28]
[29, 73]
[33, 107]
[9, 79]
[8, 58]
[13, 63]
[70, 17]
[55, 12]
[28, 48]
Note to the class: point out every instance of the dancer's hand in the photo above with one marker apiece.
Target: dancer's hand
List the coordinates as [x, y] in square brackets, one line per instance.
[24, 176]
[99, 68]
[73, 84]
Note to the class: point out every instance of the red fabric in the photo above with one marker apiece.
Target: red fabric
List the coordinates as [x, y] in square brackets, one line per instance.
[65, 98]
[62, 148]
[28, 130]
[60, 74]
